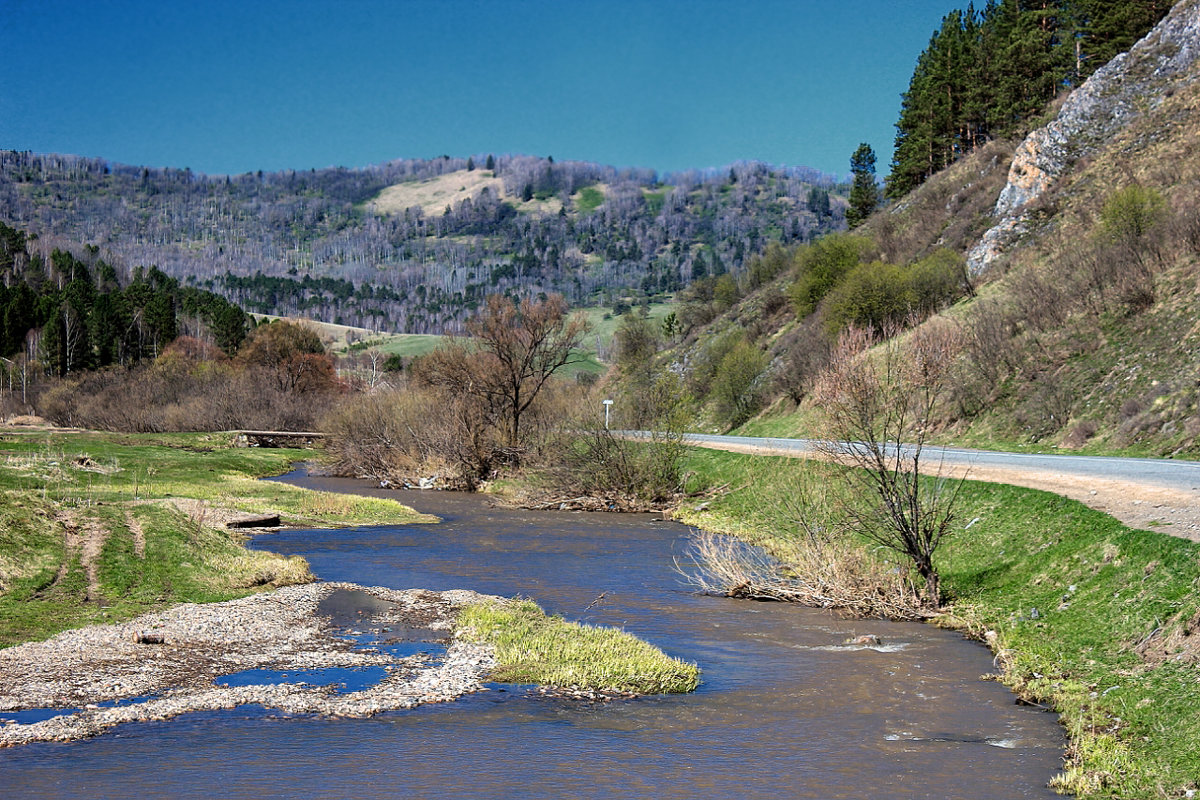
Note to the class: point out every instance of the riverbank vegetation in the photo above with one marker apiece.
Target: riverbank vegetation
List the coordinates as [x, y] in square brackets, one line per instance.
[102, 527]
[1089, 618]
[535, 648]
[476, 410]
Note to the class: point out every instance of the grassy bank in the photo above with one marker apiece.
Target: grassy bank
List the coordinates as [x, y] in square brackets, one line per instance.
[534, 648]
[1088, 617]
[103, 527]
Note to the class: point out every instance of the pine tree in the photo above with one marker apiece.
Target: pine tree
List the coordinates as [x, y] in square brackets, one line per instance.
[986, 75]
[864, 194]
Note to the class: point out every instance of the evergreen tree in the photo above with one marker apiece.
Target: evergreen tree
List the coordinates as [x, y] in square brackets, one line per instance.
[987, 74]
[818, 201]
[864, 194]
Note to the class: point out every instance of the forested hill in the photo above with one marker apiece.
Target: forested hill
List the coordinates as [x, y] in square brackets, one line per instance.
[415, 245]
[66, 313]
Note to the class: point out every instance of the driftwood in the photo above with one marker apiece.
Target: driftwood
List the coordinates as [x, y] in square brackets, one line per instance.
[591, 503]
[841, 579]
[148, 637]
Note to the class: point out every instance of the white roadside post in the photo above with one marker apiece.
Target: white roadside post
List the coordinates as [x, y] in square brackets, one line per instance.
[607, 406]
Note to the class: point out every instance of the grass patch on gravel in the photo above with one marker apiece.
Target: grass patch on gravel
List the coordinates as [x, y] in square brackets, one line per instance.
[91, 526]
[534, 648]
[1094, 619]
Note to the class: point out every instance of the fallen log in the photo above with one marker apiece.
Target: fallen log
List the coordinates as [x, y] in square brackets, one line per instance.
[255, 521]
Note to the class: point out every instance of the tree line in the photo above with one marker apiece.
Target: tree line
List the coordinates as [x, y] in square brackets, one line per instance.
[986, 74]
[65, 313]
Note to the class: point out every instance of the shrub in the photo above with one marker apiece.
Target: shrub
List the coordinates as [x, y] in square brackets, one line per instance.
[736, 388]
[871, 296]
[821, 264]
[938, 280]
[725, 292]
[636, 341]
[802, 357]
[591, 460]
[762, 269]
[1079, 434]
[405, 435]
[1132, 215]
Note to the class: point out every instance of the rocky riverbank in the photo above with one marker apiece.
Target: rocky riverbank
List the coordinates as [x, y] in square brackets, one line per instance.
[160, 665]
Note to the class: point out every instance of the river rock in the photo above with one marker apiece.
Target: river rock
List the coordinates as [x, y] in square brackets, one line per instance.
[866, 640]
[105, 675]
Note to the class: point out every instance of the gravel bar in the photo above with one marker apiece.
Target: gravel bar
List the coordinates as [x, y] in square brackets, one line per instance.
[163, 664]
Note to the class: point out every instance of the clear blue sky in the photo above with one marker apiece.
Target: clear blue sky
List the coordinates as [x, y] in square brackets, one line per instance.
[229, 87]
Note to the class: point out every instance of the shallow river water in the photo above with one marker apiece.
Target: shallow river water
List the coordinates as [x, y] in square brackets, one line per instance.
[786, 710]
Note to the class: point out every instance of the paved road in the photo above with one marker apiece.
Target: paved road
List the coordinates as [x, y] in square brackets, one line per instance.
[1164, 473]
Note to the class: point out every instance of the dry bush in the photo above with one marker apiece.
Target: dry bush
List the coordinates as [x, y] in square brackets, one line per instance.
[802, 356]
[382, 435]
[403, 435]
[597, 463]
[586, 459]
[834, 575]
[1183, 230]
[881, 399]
[176, 394]
[813, 556]
[1079, 434]
[1130, 408]
[1042, 298]
[59, 403]
[989, 353]
[11, 405]
[1046, 407]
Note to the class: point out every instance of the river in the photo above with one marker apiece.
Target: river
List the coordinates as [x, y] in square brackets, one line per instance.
[786, 709]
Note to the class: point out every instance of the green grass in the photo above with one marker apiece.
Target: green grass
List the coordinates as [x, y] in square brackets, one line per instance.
[655, 200]
[1098, 587]
[792, 423]
[534, 648]
[605, 328]
[586, 362]
[122, 468]
[589, 199]
[410, 345]
[116, 483]
[804, 423]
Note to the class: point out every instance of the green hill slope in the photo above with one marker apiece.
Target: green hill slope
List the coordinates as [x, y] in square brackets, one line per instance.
[1079, 329]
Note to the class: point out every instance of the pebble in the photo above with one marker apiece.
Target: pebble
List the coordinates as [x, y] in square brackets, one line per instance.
[280, 631]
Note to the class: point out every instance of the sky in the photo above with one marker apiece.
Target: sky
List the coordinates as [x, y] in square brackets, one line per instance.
[232, 87]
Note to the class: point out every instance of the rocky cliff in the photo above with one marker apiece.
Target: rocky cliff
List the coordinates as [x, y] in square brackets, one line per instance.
[1118, 93]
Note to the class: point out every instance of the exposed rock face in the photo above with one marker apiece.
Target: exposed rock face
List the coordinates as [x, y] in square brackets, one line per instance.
[1115, 95]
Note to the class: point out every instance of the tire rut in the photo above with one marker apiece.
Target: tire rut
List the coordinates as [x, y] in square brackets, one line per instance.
[83, 539]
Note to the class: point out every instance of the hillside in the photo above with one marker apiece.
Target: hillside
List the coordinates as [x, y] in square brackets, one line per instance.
[1075, 320]
[414, 246]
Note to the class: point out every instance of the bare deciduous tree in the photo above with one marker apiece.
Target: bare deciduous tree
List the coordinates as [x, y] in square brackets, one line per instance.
[514, 350]
[880, 405]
